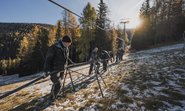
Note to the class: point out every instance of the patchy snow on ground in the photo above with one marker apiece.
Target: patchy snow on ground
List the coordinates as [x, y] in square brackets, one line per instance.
[152, 79]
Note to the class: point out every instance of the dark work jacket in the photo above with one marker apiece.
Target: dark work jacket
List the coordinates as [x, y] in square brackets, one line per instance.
[105, 55]
[94, 55]
[57, 57]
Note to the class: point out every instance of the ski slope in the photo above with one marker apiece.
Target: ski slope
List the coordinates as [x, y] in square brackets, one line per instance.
[147, 80]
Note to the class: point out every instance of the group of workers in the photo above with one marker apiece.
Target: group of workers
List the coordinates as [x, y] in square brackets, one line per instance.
[57, 58]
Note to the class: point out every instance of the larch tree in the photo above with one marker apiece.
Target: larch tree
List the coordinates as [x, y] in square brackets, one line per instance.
[71, 28]
[23, 48]
[113, 41]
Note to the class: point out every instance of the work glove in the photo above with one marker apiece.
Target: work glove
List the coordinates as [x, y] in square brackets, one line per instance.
[46, 74]
[90, 60]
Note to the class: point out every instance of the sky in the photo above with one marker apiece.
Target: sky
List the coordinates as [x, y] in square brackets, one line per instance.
[43, 11]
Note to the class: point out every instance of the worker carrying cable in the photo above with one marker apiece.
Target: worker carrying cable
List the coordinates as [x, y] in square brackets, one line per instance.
[94, 60]
[105, 59]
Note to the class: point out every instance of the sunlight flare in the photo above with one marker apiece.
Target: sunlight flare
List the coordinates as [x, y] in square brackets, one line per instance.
[134, 22]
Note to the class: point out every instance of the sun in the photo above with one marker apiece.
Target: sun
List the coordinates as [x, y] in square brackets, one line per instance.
[134, 22]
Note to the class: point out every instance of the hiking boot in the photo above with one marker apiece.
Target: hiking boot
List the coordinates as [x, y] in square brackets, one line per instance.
[105, 69]
[51, 101]
[90, 73]
[61, 96]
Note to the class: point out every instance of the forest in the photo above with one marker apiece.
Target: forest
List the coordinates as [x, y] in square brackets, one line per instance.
[163, 21]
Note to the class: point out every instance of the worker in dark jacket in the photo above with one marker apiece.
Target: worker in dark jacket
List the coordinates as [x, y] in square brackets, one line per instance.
[111, 56]
[121, 53]
[118, 53]
[94, 60]
[57, 59]
[105, 56]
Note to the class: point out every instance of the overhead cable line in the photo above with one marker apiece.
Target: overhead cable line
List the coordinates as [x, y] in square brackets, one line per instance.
[73, 12]
[78, 15]
[64, 8]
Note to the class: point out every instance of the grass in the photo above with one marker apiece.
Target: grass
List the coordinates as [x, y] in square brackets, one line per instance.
[142, 87]
[106, 103]
[11, 102]
[169, 100]
[174, 94]
[181, 82]
[20, 98]
[126, 99]
[152, 103]
[70, 97]
[10, 86]
[121, 92]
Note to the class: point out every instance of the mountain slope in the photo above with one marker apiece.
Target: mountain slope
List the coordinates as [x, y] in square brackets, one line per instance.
[146, 80]
[11, 35]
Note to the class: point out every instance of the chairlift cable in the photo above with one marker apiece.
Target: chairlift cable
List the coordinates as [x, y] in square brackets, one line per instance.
[72, 12]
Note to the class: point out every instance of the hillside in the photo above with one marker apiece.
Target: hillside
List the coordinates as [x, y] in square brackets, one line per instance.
[146, 80]
[12, 33]
[6, 28]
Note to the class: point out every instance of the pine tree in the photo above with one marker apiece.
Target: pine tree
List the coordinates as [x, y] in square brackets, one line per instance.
[102, 39]
[87, 32]
[142, 37]
[66, 23]
[163, 21]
